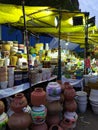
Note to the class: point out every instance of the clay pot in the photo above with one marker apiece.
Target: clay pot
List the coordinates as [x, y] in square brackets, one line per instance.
[55, 127]
[38, 114]
[38, 97]
[54, 107]
[42, 126]
[53, 119]
[20, 121]
[19, 102]
[69, 91]
[66, 124]
[70, 106]
[2, 107]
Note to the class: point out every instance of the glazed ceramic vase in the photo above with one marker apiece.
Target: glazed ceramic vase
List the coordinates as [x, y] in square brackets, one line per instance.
[39, 114]
[38, 97]
[53, 89]
[18, 103]
[20, 121]
[69, 91]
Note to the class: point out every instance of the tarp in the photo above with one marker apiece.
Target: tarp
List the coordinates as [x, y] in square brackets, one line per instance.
[64, 44]
[41, 20]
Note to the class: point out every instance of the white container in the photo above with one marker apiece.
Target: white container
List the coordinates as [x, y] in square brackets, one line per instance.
[81, 96]
[82, 107]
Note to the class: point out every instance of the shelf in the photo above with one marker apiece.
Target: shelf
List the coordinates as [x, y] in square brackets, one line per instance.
[16, 89]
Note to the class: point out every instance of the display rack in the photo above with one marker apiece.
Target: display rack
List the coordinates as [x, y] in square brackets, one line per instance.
[20, 88]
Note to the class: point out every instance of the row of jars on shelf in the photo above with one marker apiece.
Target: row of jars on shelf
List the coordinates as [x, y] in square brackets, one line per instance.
[44, 110]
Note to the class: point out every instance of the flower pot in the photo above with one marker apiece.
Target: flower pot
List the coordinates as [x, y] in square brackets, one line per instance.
[19, 102]
[38, 97]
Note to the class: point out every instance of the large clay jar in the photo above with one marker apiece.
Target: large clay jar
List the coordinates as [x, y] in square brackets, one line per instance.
[39, 114]
[38, 97]
[70, 106]
[53, 119]
[69, 91]
[42, 126]
[55, 127]
[19, 102]
[66, 124]
[53, 89]
[54, 107]
[20, 121]
[2, 107]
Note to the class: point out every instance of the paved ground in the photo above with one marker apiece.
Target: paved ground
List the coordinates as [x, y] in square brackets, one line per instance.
[87, 120]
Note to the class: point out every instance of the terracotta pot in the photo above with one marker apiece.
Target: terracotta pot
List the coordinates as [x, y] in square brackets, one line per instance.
[54, 107]
[70, 106]
[42, 126]
[19, 102]
[2, 107]
[20, 121]
[38, 97]
[55, 127]
[39, 114]
[53, 119]
[66, 124]
[69, 91]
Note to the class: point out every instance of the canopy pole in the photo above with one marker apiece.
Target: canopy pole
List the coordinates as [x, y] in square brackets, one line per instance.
[26, 41]
[86, 40]
[59, 48]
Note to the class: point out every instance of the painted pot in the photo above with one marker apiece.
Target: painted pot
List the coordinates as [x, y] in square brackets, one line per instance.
[38, 97]
[69, 92]
[39, 114]
[19, 102]
[20, 121]
[3, 121]
[17, 77]
[53, 89]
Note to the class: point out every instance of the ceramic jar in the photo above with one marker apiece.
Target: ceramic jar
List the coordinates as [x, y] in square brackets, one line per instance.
[53, 119]
[66, 124]
[54, 107]
[11, 76]
[53, 89]
[70, 106]
[19, 102]
[3, 121]
[38, 97]
[39, 114]
[69, 92]
[42, 126]
[20, 121]
[6, 47]
[55, 127]
[2, 107]
[14, 60]
[17, 77]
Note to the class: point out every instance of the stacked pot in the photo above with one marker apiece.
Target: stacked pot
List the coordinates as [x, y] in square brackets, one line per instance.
[70, 107]
[17, 105]
[54, 106]
[39, 110]
[3, 116]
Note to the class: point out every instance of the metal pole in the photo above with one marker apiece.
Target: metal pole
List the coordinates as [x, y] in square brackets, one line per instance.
[59, 49]
[86, 40]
